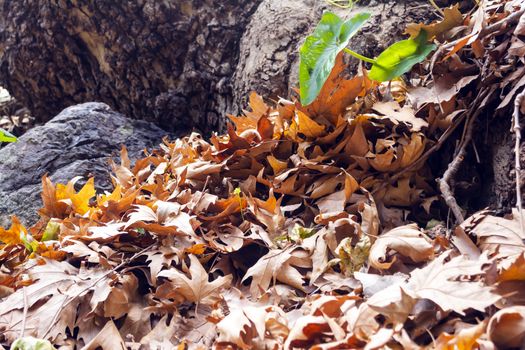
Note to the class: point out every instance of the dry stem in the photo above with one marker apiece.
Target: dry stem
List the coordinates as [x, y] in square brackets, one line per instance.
[517, 130]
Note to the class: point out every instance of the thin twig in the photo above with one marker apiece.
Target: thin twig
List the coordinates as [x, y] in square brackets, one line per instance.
[67, 301]
[425, 155]
[517, 130]
[24, 316]
[438, 9]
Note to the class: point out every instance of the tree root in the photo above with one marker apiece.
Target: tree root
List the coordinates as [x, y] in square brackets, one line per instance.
[447, 190]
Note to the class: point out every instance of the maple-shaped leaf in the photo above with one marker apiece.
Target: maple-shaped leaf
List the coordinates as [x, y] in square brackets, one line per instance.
[52, 299]
[14, 235]
[251, 118]
[52, 207]
[197, 288]
[446, 284]
[79, 201]
[397, 114]
[274, 266]
[501, 236]
[250, 323]
[115, 300]
[166, 219]
[465, 338]
[114, 196]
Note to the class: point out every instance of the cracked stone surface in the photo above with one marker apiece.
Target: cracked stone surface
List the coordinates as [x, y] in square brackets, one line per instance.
[77, 142]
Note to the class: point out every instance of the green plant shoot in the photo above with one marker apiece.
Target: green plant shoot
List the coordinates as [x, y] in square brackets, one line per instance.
[6, 136]
[318, 53]
[332, 35]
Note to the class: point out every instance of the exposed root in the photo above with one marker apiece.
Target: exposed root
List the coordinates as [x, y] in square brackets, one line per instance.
[444, 183]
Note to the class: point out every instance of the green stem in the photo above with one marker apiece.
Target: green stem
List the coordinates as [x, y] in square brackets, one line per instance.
[337, 3]
[361, 57]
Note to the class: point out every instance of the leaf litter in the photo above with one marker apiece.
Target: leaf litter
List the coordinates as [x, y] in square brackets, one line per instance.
[293, 230]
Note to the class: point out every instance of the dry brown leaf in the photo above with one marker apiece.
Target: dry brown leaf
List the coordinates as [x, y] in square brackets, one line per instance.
[506, 328]
[197, 288]
[512, 268]
[272, 267]
[407, 241]
[338, 93]
[500, 236]
[108, 338]
[393, 111]
[251, 325]
[52, 300]
[303, 124]
[452, 18]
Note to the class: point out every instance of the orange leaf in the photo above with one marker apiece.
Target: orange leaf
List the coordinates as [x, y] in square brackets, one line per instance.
[303, 124]
[12, 236]
[276, 164]
[337, 93]
[78, 201]
[452, 18]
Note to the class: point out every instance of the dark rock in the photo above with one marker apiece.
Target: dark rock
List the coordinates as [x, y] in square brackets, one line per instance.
[181, 64]
[77, 142]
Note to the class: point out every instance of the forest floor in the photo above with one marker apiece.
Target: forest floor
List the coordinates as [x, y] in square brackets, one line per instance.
[318, 226]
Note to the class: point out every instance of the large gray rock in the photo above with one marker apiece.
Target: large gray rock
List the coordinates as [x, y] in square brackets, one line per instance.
[77, 142]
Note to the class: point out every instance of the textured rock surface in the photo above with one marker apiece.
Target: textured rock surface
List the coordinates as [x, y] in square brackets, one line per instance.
[169, 61]
[182, 64]
[77, 142]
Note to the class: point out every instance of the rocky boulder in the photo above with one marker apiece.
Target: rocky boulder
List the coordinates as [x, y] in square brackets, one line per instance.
[77, 142]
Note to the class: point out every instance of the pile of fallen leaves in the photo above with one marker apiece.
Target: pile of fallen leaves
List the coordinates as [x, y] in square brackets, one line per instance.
[293, 229]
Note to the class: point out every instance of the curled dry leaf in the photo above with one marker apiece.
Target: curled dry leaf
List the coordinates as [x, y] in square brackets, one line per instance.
[506, 328]
[407, 241]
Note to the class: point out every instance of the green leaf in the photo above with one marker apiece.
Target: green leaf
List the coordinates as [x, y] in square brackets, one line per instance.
[318, 53]
[6, 136]
[400, 57]
[51, 231]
